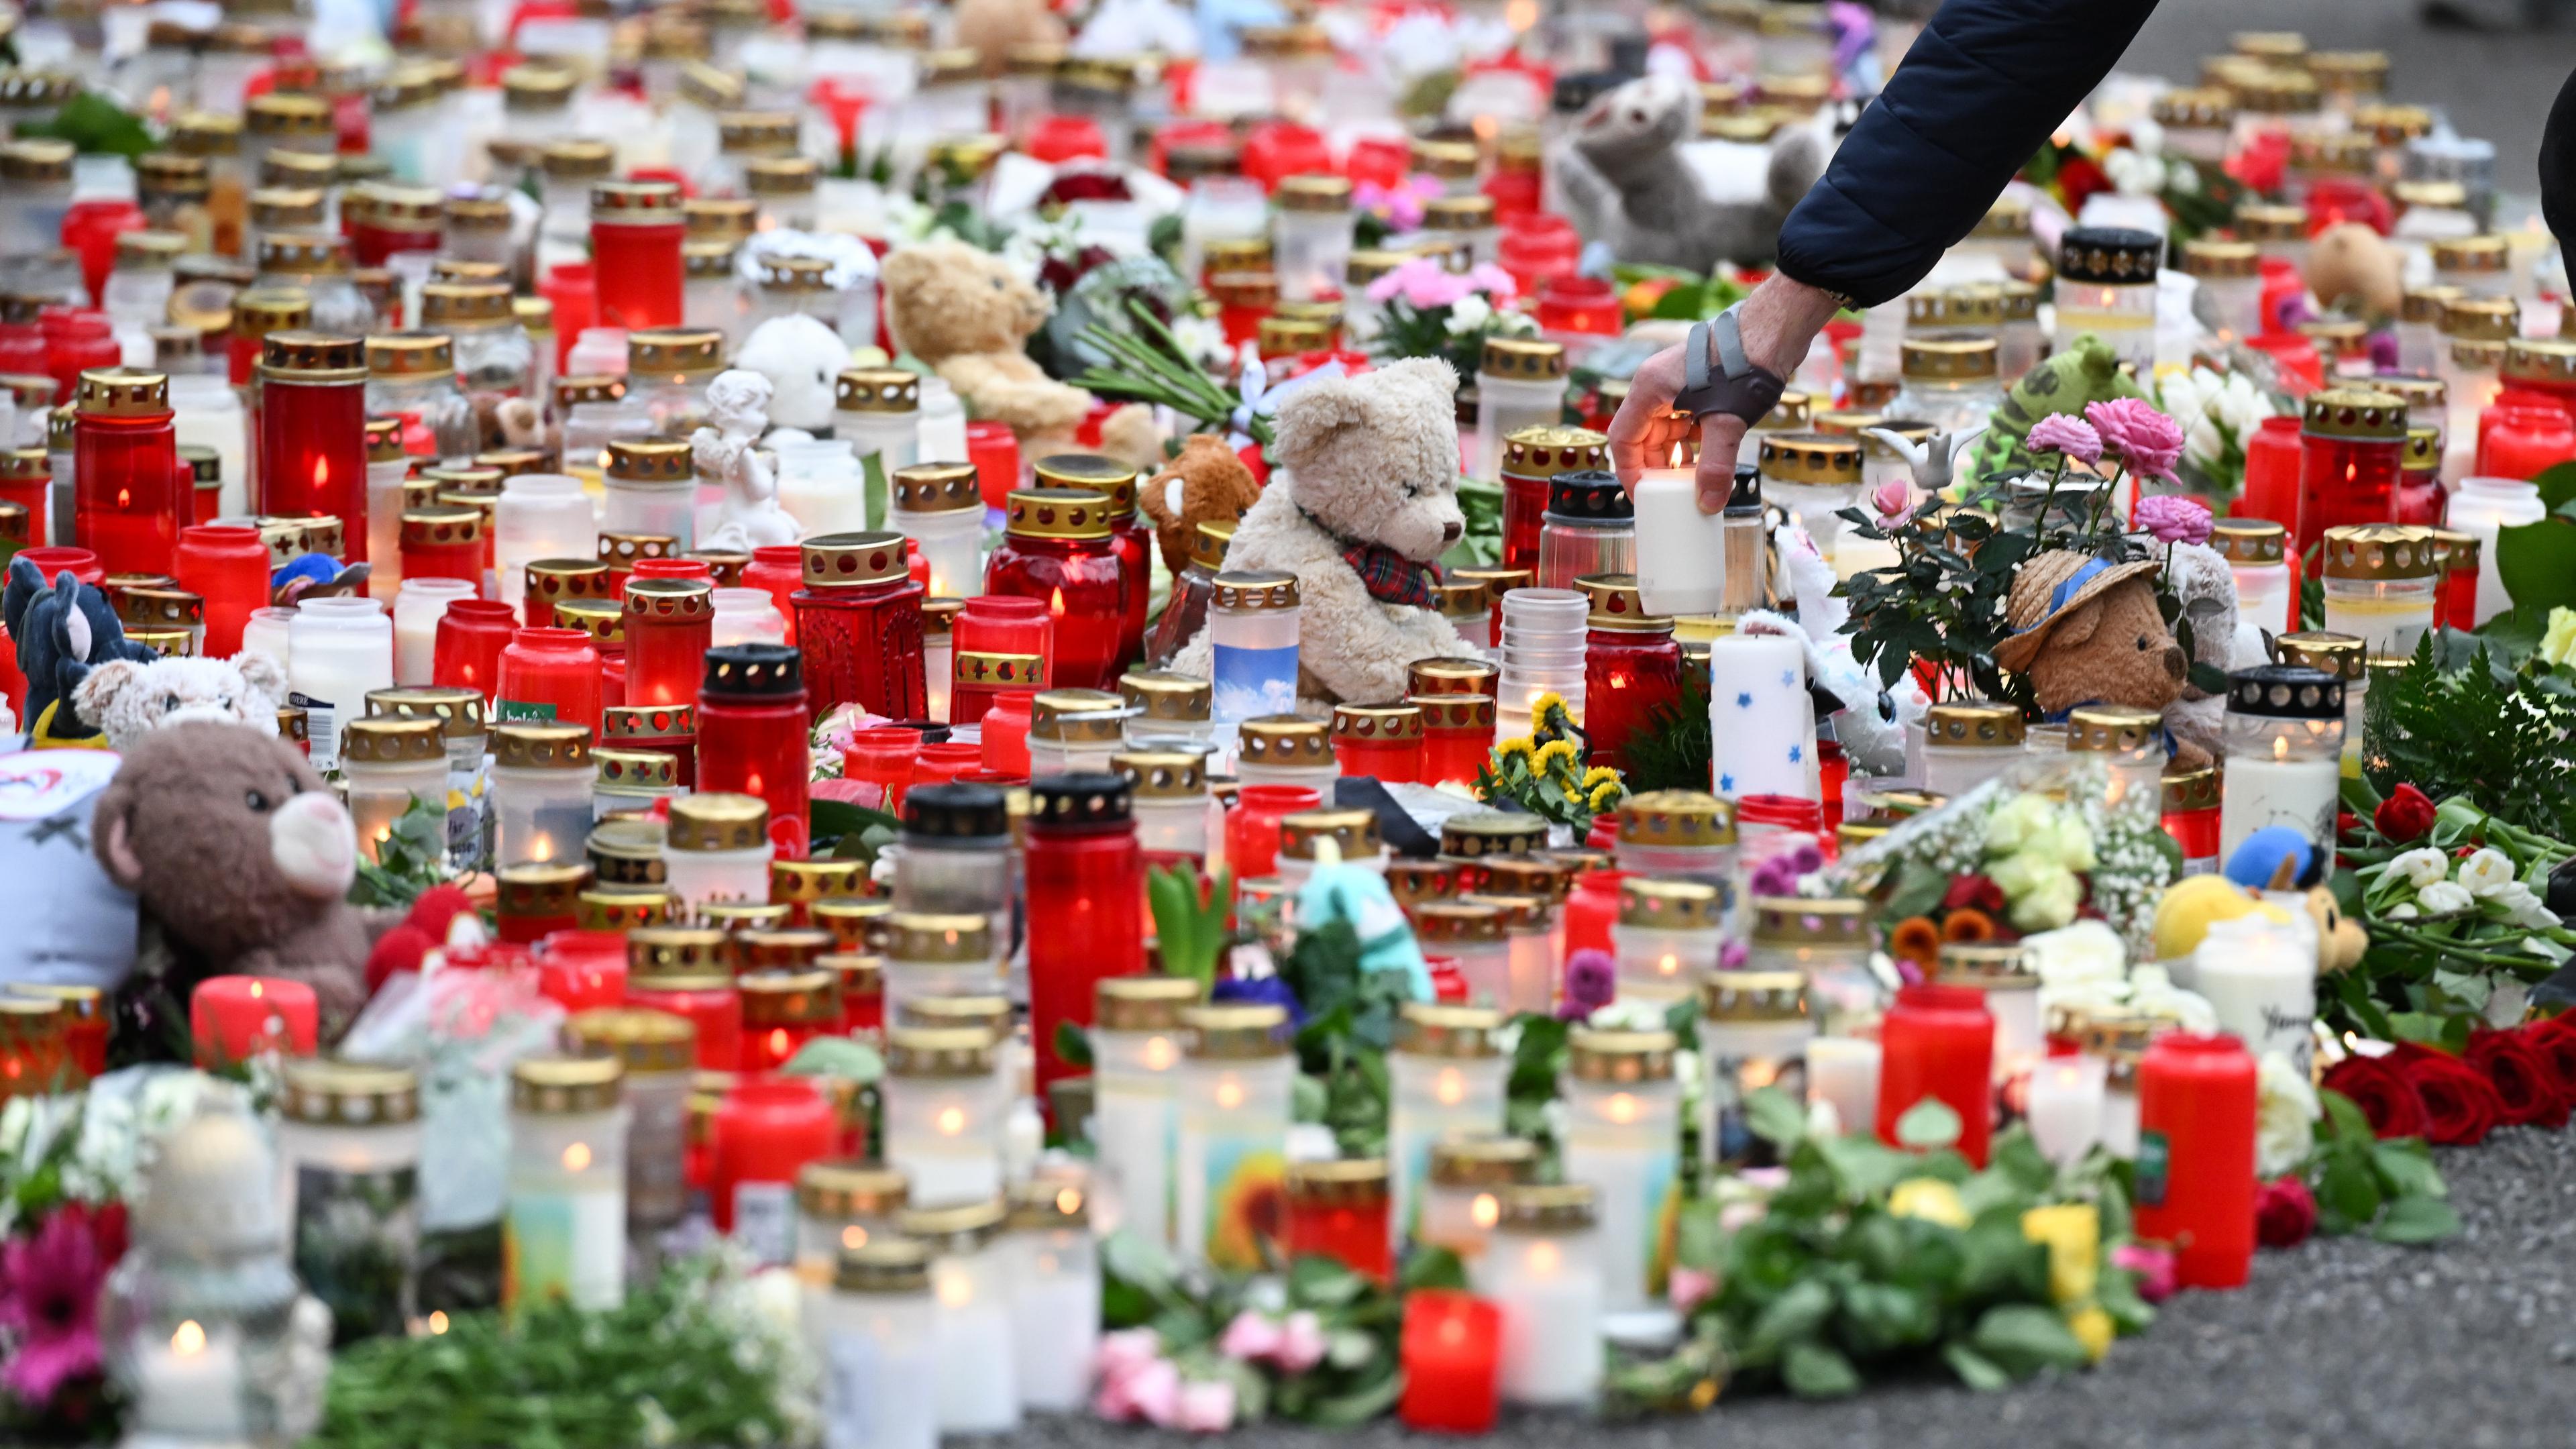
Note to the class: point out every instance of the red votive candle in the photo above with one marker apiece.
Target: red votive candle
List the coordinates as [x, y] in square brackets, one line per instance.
[584, 970]
[1086, 884]
[669, 624]
[77, 342]
[228, 568]
[1452, 1350]
[549, 674]
[636, 232]
[858, 623]
[466, 651]
[1252, 825]
[1939, 1042]
[2350, 444]
[765, 1132]
[1005, 745]
[884, 758]
[84, 1022]
[2272, 459]
[128, 503]
[1130, 541]
[1056, 550]
[752, 739]
[2195, 1182]
[234, 1018]
[1337, 1210]
[443, 542]
[995, 451]
[999, 644]
[690, 982]
[1632, 667]
[313, 432]
[779, 568]
[1593, 909]
[27, 479]
[783, 1010]
[35, 1054]
[1381, 741]
[537, 899]
[2191, 812]
[671, 729]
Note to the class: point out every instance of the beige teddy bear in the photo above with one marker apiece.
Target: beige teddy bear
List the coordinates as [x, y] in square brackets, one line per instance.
[125, 700]
[1367, 498]
[966, 314]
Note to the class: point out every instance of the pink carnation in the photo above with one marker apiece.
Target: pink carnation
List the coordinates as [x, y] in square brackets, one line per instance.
[2145, 439]
[2059, 433]
[2173, 519]
[2153, 1264]
[1421, 284]
[1497, 284]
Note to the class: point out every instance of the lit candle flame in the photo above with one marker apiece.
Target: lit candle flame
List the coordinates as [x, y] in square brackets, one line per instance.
[189, 1341]
[854, 1236]
[576, 1158]
[951, 1121]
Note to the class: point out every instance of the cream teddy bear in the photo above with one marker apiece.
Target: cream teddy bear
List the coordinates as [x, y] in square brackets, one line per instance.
[1369, 488]
[125, 700]
[968, 316]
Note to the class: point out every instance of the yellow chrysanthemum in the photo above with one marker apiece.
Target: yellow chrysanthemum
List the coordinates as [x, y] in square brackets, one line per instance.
[1604, 795]
[1554, 753]
[1593, 777]
[2072, 1233]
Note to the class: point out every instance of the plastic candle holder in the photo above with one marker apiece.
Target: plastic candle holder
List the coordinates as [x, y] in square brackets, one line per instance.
[2111, 272]
[535, 899]
[1252, 826]
[783, 1010]
[2250, 970]
[417, 608]
[1451, 1350]
[338, 649]
[565, 1222]
[858, 623]
[1174, 812]
[2196, 1126]
[129, 504]
[1531, 457]
[843, 1206]
[1457, 735]
[1285, 749]
[443, 542]
[541, 782]
[764, 1134]
[2349, 459]
[1167, 709]
[1055, 1298]
[669, 624]
[387, 763]
[875, 1309]
[656, 1049]
[671, 730]
[1057, 550]
[233, 1018]
[688, 972]
[1469, 936]
[636, 229]
[1131, 542]
[1447, 1075]
[228, 568]
[470, 638]
[1589, 528]
[2191, 817]
[1753, 1029]
[550, 674]
[718, 849]
[1462, 1189]
[1229, 1152]
[1542, 1271]
[1086, 880]
[35, 1052]
[943, 1114]
[312, 421]
[2381, 582]
[1074, 730]
[1383, 742]
[1938, 1043]
[2284, 741]
[2003, 974]
[1136, 1054]
[1623, 1136]
[937, 506]
[1678, 833]
[1338, 1209]
[348, 1148]
[976, 1380]
[1668, 937]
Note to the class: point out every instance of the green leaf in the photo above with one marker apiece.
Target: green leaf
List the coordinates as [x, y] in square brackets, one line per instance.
[2024, 1338]
[1431, 1266]
[1072, 1044]
[1974, 1369]
[1813, 1371]
[836, 1056]
[1793, 1315]
[96, 125]
[2407, 1169]
[2557, 485]
[2345, 1121]
[1882, 1317]
[2349, 1187]
[839, 819]
[2537, 562]
[1928, 1124]
[1775, 1117]
[2415, 1220]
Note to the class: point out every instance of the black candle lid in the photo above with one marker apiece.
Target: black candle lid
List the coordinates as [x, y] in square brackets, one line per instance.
[2112, 254]
[754, 670]
[1082, 797]
[1590, 496]
[1746, 496]
[2285, 691]
[934, 814]
[932, 731]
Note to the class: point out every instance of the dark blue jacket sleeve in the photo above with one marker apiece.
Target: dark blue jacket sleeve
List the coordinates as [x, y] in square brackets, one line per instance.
[1984, 85]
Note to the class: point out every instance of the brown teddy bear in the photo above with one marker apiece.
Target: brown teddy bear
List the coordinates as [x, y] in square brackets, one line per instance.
[2087, 631]
[993, 28]
[968, 316]
[2354, 272]
[1207, 483]
[238, 851]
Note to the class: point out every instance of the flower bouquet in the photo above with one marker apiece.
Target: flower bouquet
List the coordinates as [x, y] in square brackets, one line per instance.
[2218, 415]
[1431, 311]
[1543, 772]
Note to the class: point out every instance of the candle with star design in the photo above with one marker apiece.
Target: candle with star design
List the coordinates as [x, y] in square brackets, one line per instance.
[1762, 727]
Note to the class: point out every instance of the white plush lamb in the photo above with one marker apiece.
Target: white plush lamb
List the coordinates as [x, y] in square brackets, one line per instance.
[124, 700]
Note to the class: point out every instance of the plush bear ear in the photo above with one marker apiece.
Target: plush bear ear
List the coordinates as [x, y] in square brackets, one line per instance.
[2080, 624]
[111, 831]
[97, 694]
[262, 673]
[1319, 412]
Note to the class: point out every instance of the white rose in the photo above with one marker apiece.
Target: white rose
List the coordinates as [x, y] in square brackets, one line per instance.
[2486, 872]
[2086, 951]
[2285, 1111]
[2443, 897]
[2421, 866]
[1468, 314]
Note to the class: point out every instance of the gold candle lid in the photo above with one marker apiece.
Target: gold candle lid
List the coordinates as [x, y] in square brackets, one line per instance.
[1520, 359]
[1676, 818]
[2482, 319]
[677, 353]
[1458, 922]
[1284, 741]
[837, 1191]
[622, 909]
[655, 460]
[1208, 544]
[1236, 1032]
[540, 745]
[123, 392]
[935, 488]
[407, 354]
[1339, 1182]
[2249, 540]
[626, 853]
[1974, 724]
[937, 938]
[2541, 360]
[556, 1086]
[2455, 551]
[719, 821]
[331, 1092]
[1162, 694]
[2186, 790]
[1070, 513]
[856, 925]
[646, 721]
[1401, 723]
[1163, 774]
[1476, 1160]
[1985, 966]
[1077, 716]
[1834, 921]
[1823, 459]
[659, 955]
[2340, 655]
[773, 998]
[990, 1015]
[1254, 589]
[738, 916]
[636, 770]
[1474, 834]
[604, 620]
[939, 1051]
[1947, 358]
[538, 889]
[847, 560]
[2476, 254]
[1450, 677]
[1671, 905]
[2379, 551]
[642, 1039]
[441, 527]
[999, 671]
[1748, 996]
[2114, 729]
[1417, 882]
[1144, 1003]
[1618, 607]
[1353, 831]
[552, 581]
[670, 600]
[391, 740]
[803, 882]
[1619, 1057]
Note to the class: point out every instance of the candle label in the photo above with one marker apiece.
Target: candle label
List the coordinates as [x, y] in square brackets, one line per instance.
[318, 713]
[1245, 1181]
[852, 1389]
[2155, 1162]
[764, 1220]
[1253, 682]
[564, 1245]
[469, 824]
[357, 1237]
[520, 709]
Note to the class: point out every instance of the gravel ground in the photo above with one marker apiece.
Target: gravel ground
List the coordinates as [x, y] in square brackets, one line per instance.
[2339, 1344]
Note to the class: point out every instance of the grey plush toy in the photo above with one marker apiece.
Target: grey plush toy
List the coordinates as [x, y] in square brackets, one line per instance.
[1630, 187]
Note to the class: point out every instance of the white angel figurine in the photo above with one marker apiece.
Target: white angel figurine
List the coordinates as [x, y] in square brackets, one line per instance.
[729, 452]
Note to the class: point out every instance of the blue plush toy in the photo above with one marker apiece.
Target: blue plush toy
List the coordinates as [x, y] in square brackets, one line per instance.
[2258, 864]
[61, 633]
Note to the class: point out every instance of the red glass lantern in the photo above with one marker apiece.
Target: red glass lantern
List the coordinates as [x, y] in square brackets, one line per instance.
[944, 760]
[858, 623]
[1056, 550]
[77, 342]
[2350, 448]
[27, 479]
[1457, 735]
[671, 729]
[783, 1010]
[228, 568]
[752, 724]
[313, 431]
[1586, 305]
[584, 970]
[2522, 435]
[536, 900]
[2191, 814]
[995, 451]
[999, 644]
[1243, 299]
[549, 674]
[444, 541]
[2195, 1179]
[1939, 1042]
[1338, 1209]
[1252, 825]
[636, 232]
[779, 568]
[22, 339]
[128, 501]
[674, 568]
[669, 624]
[1632, 666]
[862, 992]
[1593, 908]
[1130, 540]
[1086, 883]
[381, 219]
[1452, 1352]
[466, 651]
[884, 759]
[1005, 745]
[83, 1014]
[1383, 742]
[53, 559]
[707, 998]
[2272, 473]
[765, 1133]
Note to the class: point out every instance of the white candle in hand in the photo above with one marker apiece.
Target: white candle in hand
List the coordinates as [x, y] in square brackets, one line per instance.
[1681, 551]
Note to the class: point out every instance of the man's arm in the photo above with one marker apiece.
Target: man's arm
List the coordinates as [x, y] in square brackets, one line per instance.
[1984, 85]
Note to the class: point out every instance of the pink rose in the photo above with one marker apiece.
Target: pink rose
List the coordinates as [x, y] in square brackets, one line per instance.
[1894, 501]
[2059, 433]
[1126, 1351]
[2174, 520]
[2145, 439]
[1301, 1343]
[2154, 1266]
[1250, 1337]
[1688, 1286]
[1150, 1392]
[1205, 1407]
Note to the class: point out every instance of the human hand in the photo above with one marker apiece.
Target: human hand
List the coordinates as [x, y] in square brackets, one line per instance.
[1777, 322]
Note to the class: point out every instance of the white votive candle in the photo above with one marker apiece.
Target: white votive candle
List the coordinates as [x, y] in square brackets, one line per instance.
[1541, 1271]
[1842, 1072]
[1136, 1055]
[418, 607]
[1622, 1135]
[970, 1277]
[1447, 1072]
[2260, 976]
[2064, 1107]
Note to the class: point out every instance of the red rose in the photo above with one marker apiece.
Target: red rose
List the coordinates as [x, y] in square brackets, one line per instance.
[2404, 815]
[2460, 1105]
[2554, 1038]
[2285, 1212]
[2523, 1076]
[1973, 892]
[2383, 1094]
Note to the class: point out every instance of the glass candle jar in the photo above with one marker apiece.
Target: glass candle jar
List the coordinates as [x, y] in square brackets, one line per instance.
[667, 372]
[1631, 666]
[1382, 742]
[2482, 508]
[1131, 540]
[844, 1206]
[1590, 528]
[2191, 817]
[783, 1010]
[2285, 730]
[442, 542]
[943, 1116]
[1967, 742]
[688, 972]
[1457, 735]
[412, 376]
[1352, 834]
[544, 516]
[1464, 936]
[1136, 1053]
[2350, 446]
[565, 1223]
[878, 413]
[1816, 475]
[313, 454]
[2477, 332]
[2480, 266]
[669, 626]
[495, 357]
[228, 568]
[2229, 300]
[1827, 938]
[1543, 1269]
[1252, 629]
[1668, 937]
[1622, 1137]
[765, 1132]
[658, 1051]
[1000, 643]
[2107, 286]
[337, 650]
[1339, 1209]
[386, 764]
[1286, 749]
[1175, 817]
[2380, 585]
[1753, 1033]
[858, 623]
[1311, 235]
[975, 1380]
[937, 505]
[2257, 553]
[1166, 709]
[1520, 386]
[752, 723]
[1950, 382]
[636, 229]
[874, 1323]
[1074, 730]
[1531, 458]
[1185, 610]
[718, 849]
[1683, 834]
[1086, 880]
[129, 501]
[651, 488]
[1230, 1148]
[348, 1158]
[931, 955]
[541, 782]
[1447, 1074]
[551, 674]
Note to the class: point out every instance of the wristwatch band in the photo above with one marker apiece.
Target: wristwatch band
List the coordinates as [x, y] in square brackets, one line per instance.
[1739, 389]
